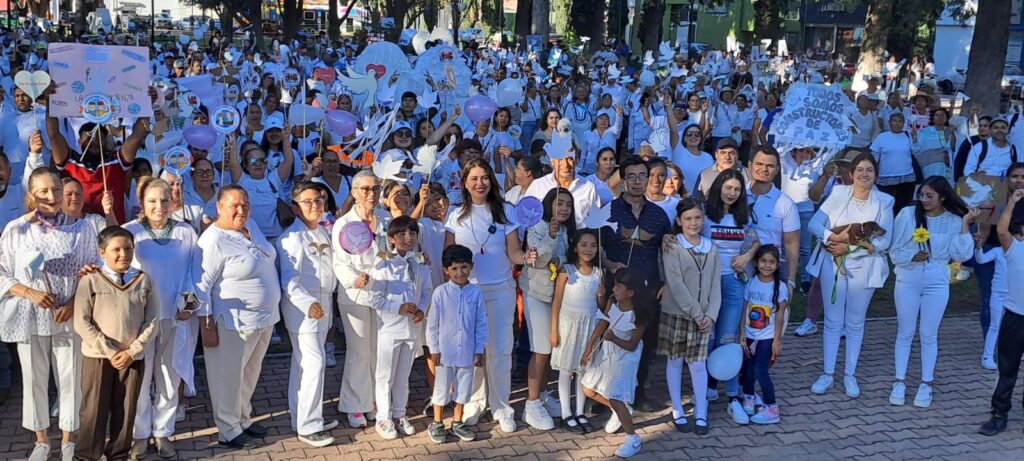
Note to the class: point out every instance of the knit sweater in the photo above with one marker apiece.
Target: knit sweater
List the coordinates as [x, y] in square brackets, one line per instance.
[692, 283]
[112, 318]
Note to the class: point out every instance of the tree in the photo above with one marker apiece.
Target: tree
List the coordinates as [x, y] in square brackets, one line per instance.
[988, 53]
[875, 38]
[541, 13]
[292, 18]
[523, 14]
[650, 25]
[768, 18]
[587, 19]
[333, 23]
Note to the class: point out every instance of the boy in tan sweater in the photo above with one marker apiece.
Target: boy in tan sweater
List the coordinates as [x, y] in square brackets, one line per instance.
[115, 314]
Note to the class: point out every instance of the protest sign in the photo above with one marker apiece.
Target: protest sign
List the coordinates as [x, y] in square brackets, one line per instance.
[814, 116]
[121, 72]
[984, 192]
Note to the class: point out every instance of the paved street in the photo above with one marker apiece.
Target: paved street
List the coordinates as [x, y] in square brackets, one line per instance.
[813, 427]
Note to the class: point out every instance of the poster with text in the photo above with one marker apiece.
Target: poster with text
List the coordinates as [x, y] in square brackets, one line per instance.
[121, 72]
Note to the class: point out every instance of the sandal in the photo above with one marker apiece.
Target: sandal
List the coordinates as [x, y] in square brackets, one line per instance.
[698, 429]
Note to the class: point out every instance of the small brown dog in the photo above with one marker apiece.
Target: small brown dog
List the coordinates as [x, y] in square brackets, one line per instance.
[860, 236]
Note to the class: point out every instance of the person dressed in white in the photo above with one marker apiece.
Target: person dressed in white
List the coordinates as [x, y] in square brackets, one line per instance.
[23, 131]
[12, 193]
[563, 174]
[775, 216]
[40, 255]
[994, 155]
[656, 177]
[164, 249]
[999, 291]
[250, 171]
[239, 294]
[307, 284]
[354, 300]
[925, 239]
[607, 127]
[482, 223]
[401, 289]
[849, 278]
[687, 152]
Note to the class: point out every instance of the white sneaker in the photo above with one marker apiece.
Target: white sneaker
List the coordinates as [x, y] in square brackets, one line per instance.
[629, 447]
[614, 424]
[67, 451]
[537, 417]
[988, 363]
[738, 413]
[551, 404]
[41, 452]
[850, 384]
[712, 395]
[386, 429]
[898, 396]
[329, 358]
[807, 328]
[923, 399]
[356, 420]
[404, 426]
[823, 384]
[507, 424]
[963, 274]
[317, 439]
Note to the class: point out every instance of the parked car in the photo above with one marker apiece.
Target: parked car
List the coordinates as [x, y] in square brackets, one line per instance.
[1013, 80]
[164, 20]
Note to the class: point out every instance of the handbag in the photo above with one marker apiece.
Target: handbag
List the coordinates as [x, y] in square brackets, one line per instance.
[285, 215]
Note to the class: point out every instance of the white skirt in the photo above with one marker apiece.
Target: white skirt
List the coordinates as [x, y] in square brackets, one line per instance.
[612, 372]
[574, 329]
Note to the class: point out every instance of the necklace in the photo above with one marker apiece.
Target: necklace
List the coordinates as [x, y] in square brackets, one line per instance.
[472, 230]
[160, 236]
[53, 222]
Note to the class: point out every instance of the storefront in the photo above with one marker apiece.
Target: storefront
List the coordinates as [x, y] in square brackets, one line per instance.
[829, 27]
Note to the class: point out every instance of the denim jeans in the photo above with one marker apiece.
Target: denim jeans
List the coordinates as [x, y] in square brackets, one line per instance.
[805, 245]
[727, 326]
[757, 366]
[984, 274]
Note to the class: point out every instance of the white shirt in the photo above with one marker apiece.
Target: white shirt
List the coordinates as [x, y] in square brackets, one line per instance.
[893, 152]
[17, 127]
[997, 159]
[761, 308]
[432, 235]
[1014, 300]
[398, 280]
[668, 204]
[725, 118]
[344, 188]
[727, 237]
[166, 264]
[994, 254]
[306, 276]
[348, 267]
[945, 243]
[691, 165]
[797, 181]
[235, 278]
[486, 239]
[457, 324]
[584, 194]
[775, 213]
[12, 204]
[263, 195]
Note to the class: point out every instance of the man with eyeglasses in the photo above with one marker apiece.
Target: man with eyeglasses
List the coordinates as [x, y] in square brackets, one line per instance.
[727, 156]
[636, 244]
[563, 174]
[774, 215]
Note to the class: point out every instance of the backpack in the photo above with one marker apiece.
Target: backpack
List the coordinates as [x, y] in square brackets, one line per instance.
[984, 152]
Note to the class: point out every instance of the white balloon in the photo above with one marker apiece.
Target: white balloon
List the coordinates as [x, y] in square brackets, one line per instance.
[725, 361]
[510, 92]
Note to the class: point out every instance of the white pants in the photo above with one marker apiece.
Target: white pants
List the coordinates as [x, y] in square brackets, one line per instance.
[306, 382]
[65, 350]
[357, 391]
[446, 377]
[494, 386]
[846, 315]
[538, 322]
[233, 369]
[187, 333]
[995, 306]
[158, 396]
[925, 295]
[394, 363]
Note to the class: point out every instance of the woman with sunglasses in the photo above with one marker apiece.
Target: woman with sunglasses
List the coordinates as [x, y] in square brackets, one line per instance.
[688, 154]
[731, 230]
[200, 190]
[249, 170]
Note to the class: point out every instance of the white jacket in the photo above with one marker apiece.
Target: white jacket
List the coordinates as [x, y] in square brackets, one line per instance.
[859, 263]
[347, 267]
[305, 257]
[399, 280]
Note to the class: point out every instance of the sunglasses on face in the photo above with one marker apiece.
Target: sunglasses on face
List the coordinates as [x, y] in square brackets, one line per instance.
[257, 161]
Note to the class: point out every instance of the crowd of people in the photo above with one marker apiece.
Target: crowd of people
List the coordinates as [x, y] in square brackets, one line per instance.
[671, 224]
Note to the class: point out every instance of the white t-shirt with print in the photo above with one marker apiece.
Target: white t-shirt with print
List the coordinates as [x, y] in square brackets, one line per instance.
[761, 308]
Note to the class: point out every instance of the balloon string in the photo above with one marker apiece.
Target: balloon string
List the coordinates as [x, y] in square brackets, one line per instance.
[103, 170]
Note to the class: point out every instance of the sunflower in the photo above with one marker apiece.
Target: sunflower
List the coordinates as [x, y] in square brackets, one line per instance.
[921, 235]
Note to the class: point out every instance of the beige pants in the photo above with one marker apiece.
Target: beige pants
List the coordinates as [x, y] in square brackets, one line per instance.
[357, 379]
[65, 350]
[232, 370]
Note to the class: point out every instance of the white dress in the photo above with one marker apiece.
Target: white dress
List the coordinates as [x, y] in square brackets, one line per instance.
[612, 369]
[576, 319]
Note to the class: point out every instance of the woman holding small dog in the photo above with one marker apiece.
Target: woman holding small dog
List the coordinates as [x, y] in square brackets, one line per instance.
[850, 268]
[926, 237]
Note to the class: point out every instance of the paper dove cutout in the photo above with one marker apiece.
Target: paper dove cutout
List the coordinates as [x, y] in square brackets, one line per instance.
[427, 160]
[362, 84]
[599, 217]
[428, 99]
[388, 165]
[665, 54]
[648, 58]
[560, 146]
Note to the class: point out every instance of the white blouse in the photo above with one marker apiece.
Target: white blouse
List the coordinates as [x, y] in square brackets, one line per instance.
[168, 265]
[945, 243]
[306, 276]
[486, 239]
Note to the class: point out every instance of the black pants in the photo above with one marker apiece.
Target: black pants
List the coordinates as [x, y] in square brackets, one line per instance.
[903, 193]
[1009, 349]
[650, 345]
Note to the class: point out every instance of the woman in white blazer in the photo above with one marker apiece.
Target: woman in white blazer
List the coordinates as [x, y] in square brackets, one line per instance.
[307, 283]
[846, 287]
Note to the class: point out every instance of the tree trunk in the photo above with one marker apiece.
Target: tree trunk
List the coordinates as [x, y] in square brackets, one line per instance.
[768, 19]
[541, 13]
[227, 14]
[650, 34]
[333, 23]
[988, 53]
[906, 16]
[292, 18]
[523, 15]
[251, 11]
[587, 19]
[876, 36]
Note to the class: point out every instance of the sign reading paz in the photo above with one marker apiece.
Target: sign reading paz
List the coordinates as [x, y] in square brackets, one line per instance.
[813, 117]
[120, 72]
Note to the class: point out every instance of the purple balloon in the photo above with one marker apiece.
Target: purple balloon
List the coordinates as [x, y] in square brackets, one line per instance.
[201, 137]
[356, 237]
[480, 108]
[341, 122]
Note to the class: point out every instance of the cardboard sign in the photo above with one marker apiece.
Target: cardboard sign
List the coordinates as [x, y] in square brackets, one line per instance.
[326, 75]
[814, 117]
[984, 192]
[121, 72]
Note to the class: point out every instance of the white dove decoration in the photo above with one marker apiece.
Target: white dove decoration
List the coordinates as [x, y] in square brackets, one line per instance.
[427, 160]
[388, 165]
[427, 100]
[665, 54]
[648, 58]
[361, 84]
[980, 193]
[599, 217]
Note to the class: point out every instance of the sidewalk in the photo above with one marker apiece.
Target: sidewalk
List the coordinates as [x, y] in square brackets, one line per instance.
[830, 426]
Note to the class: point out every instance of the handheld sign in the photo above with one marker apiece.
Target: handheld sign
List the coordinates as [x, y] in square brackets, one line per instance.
[225, 119]
[177, 160]
[32, 83]
[529, 210]
[99, 108]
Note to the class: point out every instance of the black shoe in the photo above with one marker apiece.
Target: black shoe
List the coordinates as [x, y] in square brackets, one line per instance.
[255, 430]
[698, 429]
[993, 426]
[645, 405]
[576, 427]
[4, 393]
[242, 442]
[682, 427]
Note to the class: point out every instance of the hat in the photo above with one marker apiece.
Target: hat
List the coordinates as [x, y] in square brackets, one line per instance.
[275, 120]
[24, 42]
[607, 113]
[726, 89]
[847, 156]
[401, 125]
[727, 142]
[179, 63]
[41, 46]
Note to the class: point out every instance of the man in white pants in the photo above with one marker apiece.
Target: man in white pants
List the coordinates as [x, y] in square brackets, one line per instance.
[354, 301]
[304, 252]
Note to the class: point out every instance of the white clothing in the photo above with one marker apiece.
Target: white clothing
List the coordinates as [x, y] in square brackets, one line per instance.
[725, 118]
[945, 243]
[306, 381]
[486, 239]
[306, 277]
[997, 299]
[691, 165]
[158, 398]
[432, 235]
[494, 386]
[357, 377]
[168, 264]
[728, 237]
[394, 364]
[1015, 265]
[457, 324]
[797, 181]
[398, 280]
[37, 353]
[761, 307]
[997, 159]
[348, 267]
[668, 204]
[840, 209]
[344, 189]
[445, 378]
[775, 214]
[235, 365]
[584, 194]
[235, 279]
[867, 127]
[263, 196]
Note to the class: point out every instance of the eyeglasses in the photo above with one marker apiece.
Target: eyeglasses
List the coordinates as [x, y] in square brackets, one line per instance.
[403, 134]
[367, 189]
[317, 202]
[636, 177]
[692, 135]
[257, 161]
[203, 173]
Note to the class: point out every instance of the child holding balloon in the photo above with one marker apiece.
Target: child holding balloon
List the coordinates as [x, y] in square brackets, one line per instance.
[761, 330]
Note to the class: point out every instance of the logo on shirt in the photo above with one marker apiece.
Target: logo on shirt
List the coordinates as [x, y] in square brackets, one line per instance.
[759, 316]
[727, 233]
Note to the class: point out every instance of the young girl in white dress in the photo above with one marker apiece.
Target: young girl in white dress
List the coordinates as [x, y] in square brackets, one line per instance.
[574, 314]
[611, 379]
